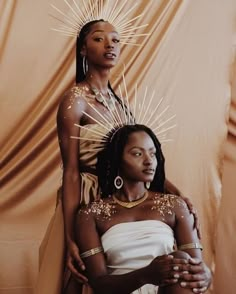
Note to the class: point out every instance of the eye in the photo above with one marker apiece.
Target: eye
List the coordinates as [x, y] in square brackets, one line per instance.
[116, 40]
[137, 154]
[98, 39]
[153, 154]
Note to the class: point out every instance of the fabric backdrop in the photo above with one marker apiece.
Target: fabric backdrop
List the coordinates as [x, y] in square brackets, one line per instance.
[187, 59]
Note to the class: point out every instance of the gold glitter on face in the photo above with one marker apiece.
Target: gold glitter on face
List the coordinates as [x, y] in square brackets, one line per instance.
[164, 203]
[102, 210]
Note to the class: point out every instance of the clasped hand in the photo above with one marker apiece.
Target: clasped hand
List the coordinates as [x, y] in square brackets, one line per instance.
[166, 270]
[162, 271]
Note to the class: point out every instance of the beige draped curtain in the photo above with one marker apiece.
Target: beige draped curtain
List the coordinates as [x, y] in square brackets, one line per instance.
[187, 59]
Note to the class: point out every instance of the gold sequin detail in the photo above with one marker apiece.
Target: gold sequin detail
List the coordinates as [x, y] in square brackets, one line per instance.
[76, 91]
[101, 209]
[164, 203]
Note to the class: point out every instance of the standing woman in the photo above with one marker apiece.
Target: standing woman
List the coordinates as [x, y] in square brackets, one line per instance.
[98, 47]
[98, 50]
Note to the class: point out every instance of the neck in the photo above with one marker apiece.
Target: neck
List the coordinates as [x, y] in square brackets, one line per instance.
[98, 79]
[131, 192]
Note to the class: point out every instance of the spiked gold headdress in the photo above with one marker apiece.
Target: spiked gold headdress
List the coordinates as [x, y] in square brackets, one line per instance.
[141, 111]
[81, 12]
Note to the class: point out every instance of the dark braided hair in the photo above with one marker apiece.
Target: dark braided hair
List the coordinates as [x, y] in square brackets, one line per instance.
[110, 158]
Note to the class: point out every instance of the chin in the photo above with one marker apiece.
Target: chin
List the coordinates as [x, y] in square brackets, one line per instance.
[110, 65]
[148, 179]
[111, 62]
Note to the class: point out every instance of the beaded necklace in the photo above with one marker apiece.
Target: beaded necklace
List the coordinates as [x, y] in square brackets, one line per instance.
[107, 103]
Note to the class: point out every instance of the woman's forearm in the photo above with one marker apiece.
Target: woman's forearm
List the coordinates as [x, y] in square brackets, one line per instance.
[171, 188]
[116, 284]
[70, 201]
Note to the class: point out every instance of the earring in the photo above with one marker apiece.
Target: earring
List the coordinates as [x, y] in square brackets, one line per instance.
[85, 65]
[147, 185]
[118, 182]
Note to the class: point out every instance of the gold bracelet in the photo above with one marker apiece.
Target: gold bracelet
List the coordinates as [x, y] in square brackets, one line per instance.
[190, 246]
[91, 252]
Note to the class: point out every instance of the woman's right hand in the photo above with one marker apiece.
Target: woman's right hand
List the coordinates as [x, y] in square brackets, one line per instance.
[162, 270]
[74, 263]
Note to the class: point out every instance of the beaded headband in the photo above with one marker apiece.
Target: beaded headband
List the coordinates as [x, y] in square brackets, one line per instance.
[141, 111]
[113, 11]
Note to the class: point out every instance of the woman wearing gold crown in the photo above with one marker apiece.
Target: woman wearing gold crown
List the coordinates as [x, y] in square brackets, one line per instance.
[135, 225]
[87, 108]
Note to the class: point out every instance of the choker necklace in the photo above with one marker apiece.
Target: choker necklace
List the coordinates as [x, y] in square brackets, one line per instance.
[108, 103]
[132, 203]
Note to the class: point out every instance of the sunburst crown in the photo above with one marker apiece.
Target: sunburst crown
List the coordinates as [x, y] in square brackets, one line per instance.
[80, 12]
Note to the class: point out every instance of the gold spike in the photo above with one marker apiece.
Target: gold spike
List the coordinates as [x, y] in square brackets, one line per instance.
[96, 132]
[115, 13]
[120, 115]
[88, 139]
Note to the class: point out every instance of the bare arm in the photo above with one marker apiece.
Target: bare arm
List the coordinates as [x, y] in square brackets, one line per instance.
[185, 232]
[199, 276]
[69, 113]
[158, 272]
[170, 188]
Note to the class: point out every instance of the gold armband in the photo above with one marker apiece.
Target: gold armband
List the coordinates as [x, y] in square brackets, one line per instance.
[91, 252]
[190, 246]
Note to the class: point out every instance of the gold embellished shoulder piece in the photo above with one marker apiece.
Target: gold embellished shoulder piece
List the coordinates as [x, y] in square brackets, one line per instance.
[165, 203]
[100, 208]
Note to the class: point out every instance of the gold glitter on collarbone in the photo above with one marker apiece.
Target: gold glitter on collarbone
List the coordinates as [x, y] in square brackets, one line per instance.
[164, 203]
[103, 210]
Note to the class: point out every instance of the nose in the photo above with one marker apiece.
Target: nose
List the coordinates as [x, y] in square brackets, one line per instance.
[109, 44]
[148, 159]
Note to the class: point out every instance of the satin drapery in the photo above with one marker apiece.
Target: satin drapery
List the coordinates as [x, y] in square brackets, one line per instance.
[187, 58]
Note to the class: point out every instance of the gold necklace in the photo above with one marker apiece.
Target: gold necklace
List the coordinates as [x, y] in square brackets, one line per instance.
[108, 103]
[130, 204]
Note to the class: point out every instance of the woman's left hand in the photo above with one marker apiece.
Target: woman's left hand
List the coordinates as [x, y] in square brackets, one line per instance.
[198, 278]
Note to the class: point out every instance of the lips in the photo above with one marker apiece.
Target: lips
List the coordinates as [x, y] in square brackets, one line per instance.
[110, 55]
[149, 171]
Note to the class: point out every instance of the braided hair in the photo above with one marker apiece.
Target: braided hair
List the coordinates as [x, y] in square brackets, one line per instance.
[110, 158]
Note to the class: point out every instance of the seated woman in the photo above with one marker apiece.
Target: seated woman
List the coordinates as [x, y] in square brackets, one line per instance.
[129, 238]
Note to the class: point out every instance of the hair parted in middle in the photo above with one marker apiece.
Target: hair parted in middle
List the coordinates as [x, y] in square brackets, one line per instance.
[110, 158]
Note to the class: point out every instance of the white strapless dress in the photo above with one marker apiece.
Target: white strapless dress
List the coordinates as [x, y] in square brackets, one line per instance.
[133, 245]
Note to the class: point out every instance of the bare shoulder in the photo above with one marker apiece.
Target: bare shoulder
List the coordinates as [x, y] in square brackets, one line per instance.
[102, 208]
[167, 203]
[73, 100]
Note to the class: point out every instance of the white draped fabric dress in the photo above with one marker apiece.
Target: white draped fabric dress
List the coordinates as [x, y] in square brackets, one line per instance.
[133, 245]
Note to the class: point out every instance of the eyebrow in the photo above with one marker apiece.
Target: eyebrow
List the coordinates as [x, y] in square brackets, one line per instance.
[152, 148]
